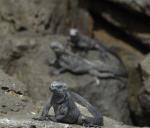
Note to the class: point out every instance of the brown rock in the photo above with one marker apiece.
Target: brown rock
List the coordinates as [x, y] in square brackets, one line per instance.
[132, 17]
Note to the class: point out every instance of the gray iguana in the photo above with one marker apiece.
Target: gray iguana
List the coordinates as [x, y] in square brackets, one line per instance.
[68, 61]
[81, 43]
[65, 109]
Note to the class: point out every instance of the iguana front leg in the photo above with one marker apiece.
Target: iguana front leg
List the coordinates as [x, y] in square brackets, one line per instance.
[44, 115]
[58, 71]
[60, 116]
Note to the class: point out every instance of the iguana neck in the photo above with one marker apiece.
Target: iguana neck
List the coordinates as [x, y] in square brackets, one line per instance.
[60, 97]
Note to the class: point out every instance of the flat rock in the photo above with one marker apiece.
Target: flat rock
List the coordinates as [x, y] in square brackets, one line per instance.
[13, 97]
[28, 123]
[27, 60]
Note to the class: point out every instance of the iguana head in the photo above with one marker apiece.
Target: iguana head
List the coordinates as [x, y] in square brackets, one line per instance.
[57, 47]
[74, 35]
[58, 87]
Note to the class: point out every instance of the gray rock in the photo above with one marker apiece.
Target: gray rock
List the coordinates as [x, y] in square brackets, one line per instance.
[31, 67]
[131, 57]
[28, 123]
[46, 16]
[26, 58]
[16, 109]
[13, 97]
[130, 16]
[144, 95]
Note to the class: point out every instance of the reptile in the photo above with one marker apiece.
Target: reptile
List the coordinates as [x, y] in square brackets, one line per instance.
[68, 61]
[65, 109]
[81, 43]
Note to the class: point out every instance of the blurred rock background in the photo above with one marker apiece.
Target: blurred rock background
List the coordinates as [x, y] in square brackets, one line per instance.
[27, 27]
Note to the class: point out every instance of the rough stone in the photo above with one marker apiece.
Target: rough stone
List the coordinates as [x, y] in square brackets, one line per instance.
[31, 67]
[131, 17]
[28, 123]
[46, 16]
[140, 6]
[144, 95]
[131, 57]
[13, 97]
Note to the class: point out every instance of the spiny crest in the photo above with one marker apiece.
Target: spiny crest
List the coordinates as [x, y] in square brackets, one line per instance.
[73, 32]
[58, 83]
[56, 44]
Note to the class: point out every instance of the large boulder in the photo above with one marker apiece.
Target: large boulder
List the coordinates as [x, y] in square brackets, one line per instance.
[139, 6]
[13, 97]
[131, 57]
[144, 95]
[28, 123]
[27, 59]
[46, 16]
[130, 17]
[17, 109]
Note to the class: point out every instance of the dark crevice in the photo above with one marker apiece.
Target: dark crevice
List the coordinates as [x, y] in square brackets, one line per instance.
[119, 33]
[22, 29]
[9, 90]
[47, 25]
[32, 126]
[134, 21]
[5, 88]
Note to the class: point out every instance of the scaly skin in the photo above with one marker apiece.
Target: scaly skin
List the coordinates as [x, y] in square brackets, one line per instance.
[82, 43]
[65, 108]
[71, 62]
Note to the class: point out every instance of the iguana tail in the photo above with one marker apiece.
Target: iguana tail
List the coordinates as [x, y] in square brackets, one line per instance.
[97, 118]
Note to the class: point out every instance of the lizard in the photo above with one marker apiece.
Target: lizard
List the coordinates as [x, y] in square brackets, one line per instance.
[68, 61]
[65, 109]
[82, 43]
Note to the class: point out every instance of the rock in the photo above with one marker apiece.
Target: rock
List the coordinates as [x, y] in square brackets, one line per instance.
[131, 17]
[145, 67]
[31, 67]
[99, 91]
[13, 97]
[17, 110]
[47, 16]
[144, 95]
[28, 123]
[138, 6]
[131, 57]
[26, 58]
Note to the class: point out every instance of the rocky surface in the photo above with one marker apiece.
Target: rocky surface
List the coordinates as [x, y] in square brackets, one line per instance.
[131, 57]
[31, 67]
[131, 17]
[19, 110]
[13, 97]
[46, 16]
[27, 123]
[25, 28]
[144, 95]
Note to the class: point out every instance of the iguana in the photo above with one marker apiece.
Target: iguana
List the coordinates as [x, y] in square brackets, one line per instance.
[65, 109]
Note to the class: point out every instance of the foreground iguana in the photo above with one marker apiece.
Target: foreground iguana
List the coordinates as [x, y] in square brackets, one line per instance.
[65, 109]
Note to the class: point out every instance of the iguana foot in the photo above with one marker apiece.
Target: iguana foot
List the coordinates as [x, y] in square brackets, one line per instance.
[41, 118]
[91, 126]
